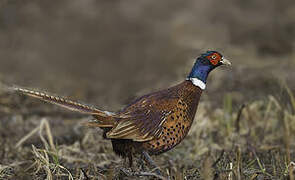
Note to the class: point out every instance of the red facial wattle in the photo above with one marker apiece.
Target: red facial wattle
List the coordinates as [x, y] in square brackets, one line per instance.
[214, 58]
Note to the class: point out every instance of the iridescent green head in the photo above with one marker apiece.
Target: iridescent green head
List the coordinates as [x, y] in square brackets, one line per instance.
[205, 64]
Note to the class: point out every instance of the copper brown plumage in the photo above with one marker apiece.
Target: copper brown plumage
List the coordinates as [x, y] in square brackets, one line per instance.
[153, 123]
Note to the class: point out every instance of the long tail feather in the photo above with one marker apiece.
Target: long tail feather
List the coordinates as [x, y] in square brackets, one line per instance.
[62, 102]
[99, 124]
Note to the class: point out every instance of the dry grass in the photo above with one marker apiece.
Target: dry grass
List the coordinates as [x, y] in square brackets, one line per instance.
[254, 141]
[83, 49]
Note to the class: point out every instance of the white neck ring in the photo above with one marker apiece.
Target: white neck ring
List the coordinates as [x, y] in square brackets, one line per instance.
[197, 82]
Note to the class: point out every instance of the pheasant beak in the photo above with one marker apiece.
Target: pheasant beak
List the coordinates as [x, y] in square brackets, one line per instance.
[225, 62]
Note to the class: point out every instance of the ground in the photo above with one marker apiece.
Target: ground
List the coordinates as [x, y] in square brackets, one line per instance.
[245, 124]
[252, 140]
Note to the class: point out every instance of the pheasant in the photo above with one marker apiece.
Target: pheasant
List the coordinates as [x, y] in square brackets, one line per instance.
[151, 124]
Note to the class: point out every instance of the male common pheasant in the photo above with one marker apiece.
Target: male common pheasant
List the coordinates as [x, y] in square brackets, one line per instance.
[153, 123]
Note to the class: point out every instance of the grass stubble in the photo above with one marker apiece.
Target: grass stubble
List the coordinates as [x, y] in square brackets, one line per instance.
[253, 141]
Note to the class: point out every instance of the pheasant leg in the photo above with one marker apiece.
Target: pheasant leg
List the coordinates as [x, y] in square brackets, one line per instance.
[151, 163]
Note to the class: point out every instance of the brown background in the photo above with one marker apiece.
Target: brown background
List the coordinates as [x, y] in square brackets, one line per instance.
[108, 52]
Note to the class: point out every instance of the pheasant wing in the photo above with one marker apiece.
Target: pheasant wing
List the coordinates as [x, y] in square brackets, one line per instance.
[145, 119]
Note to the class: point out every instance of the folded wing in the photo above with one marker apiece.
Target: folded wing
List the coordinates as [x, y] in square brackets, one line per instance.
[144, 119]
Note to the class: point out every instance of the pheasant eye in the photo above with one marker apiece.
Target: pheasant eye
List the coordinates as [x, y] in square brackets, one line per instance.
[213, 56]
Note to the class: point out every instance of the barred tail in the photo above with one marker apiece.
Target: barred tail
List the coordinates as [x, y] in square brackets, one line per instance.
[66, 103]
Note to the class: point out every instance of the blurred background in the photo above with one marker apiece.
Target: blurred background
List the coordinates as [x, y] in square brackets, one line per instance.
[108, 52]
